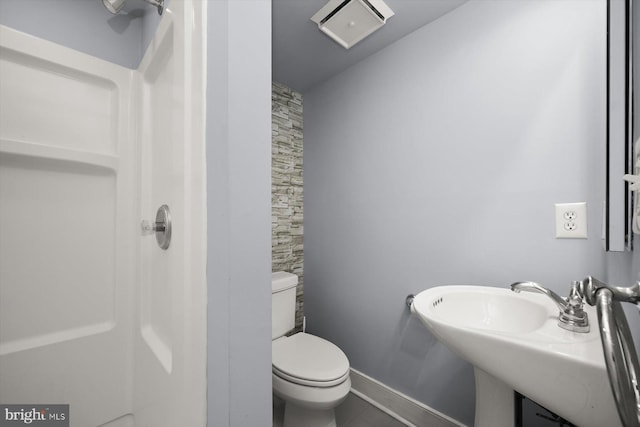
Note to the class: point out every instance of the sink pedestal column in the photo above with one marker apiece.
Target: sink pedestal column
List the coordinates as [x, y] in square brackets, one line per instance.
[494, 401]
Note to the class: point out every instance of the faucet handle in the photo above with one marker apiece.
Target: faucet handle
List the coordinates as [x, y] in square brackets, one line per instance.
[575, 298]
[573, 317]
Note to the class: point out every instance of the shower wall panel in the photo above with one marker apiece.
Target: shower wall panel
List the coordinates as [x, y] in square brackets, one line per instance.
[66, 216]
[169, 338]
[93, 313]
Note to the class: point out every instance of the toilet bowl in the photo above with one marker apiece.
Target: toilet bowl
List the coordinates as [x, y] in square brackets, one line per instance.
[312, 376]
[309, 373]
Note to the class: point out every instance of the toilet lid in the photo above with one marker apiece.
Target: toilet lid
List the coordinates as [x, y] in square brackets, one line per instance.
[305, 358]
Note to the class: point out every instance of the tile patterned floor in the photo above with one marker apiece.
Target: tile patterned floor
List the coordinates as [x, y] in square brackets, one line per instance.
[353, 412]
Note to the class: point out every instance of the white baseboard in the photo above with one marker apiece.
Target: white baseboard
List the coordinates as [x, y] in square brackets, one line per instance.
[399, 406]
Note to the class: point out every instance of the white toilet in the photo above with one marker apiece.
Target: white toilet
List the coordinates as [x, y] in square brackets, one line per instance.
[309, 373]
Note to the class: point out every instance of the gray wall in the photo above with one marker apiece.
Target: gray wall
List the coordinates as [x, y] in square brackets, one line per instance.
[83, 25]
[239, 213]
[438, 161]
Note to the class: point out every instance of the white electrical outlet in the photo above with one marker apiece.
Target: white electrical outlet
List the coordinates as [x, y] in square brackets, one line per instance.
[571, 220]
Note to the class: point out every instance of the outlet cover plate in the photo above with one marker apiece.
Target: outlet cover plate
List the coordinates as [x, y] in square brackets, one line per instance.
[571, 220]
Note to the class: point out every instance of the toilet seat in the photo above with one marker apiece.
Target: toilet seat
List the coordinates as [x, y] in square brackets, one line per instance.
[310, 383]
[309, 360]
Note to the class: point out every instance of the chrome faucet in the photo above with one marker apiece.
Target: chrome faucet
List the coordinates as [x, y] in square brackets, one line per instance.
[571, 316]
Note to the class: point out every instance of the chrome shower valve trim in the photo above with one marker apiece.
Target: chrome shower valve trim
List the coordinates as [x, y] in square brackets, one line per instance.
[115, 6]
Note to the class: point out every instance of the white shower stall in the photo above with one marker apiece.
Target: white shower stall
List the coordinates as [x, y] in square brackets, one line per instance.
[93, 313]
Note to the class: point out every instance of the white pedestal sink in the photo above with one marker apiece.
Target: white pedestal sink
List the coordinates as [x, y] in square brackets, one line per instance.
[514, 343]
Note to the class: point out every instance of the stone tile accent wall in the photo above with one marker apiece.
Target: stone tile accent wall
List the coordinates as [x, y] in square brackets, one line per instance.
[286, 188]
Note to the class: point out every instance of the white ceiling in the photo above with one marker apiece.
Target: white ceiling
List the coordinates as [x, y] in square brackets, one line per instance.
[303, 56]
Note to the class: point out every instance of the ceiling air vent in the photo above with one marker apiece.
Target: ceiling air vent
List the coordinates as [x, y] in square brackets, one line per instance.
[349, 21]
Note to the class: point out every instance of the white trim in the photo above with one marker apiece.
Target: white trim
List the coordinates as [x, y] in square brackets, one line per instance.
[398, 405]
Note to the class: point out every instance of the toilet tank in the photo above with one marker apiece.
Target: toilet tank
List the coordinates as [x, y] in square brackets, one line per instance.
[283, 303]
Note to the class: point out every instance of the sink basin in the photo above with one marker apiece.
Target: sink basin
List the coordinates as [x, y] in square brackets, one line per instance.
[485, 309]
[515, 338]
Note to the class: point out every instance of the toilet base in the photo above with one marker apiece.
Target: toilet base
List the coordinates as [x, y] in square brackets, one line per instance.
[295, 416]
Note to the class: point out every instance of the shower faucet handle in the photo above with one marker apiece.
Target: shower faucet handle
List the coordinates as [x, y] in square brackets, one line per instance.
[149, 227]
[161, 227]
